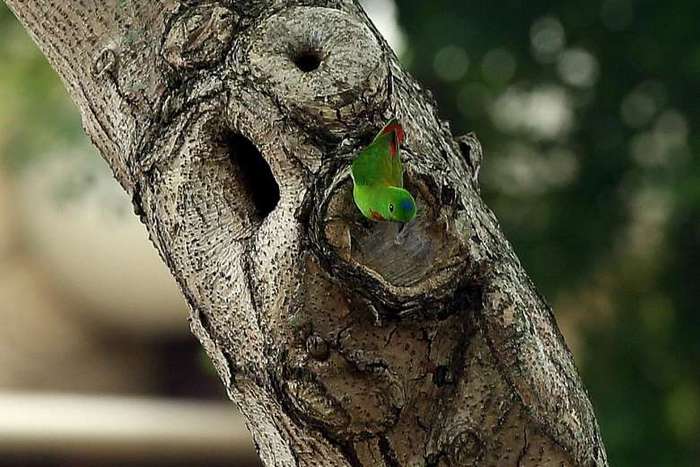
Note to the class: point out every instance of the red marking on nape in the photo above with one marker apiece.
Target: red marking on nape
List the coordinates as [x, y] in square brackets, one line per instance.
[398, 129]
[375, 215]
[393, 148]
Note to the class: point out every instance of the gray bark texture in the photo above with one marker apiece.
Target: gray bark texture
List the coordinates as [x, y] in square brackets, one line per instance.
[232, 124]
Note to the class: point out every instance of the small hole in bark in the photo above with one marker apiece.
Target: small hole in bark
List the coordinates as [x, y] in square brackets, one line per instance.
[442, 376]
[307, 60]
[254, 174]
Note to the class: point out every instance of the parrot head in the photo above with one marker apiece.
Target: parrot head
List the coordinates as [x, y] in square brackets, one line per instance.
[400, 205]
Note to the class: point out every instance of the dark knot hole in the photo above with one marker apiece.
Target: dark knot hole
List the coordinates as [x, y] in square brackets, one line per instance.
[254, 175]
[307, 59]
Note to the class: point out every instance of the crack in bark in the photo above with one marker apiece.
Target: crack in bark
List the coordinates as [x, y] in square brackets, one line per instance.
[523, 452]
[388, 454]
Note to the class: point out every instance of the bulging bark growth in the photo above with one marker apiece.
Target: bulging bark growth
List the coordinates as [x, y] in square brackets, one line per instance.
[343, 341]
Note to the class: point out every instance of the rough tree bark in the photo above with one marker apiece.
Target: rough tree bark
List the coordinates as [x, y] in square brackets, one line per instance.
[232, 125]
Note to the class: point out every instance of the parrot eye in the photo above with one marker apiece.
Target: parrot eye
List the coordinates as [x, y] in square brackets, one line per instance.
[391, 207]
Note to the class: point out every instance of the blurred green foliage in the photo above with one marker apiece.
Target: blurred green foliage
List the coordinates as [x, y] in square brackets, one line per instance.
[589, 113]
[36, 117]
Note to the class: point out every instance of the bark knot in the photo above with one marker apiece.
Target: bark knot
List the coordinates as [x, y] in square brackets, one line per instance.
[199, 36]
[400, 268]
[322, 64]
[105, 62]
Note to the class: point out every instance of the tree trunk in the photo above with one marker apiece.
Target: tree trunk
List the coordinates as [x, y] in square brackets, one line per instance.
[232, 124]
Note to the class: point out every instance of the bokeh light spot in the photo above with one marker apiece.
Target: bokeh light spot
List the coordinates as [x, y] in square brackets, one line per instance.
[498, 66]
[548, 39]
[578, 67]
[543, 113]
[451, 63]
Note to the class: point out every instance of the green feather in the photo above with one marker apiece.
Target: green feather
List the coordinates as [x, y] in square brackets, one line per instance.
[376, 165]
[377, 175]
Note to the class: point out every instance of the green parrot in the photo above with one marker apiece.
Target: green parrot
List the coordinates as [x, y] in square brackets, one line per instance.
[377, 175]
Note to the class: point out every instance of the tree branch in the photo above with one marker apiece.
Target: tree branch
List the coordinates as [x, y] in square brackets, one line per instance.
[343, 342]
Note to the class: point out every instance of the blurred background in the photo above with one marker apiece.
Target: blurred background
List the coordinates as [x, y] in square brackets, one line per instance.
[588, 114]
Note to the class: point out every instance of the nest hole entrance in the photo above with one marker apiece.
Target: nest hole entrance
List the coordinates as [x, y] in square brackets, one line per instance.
[403, 254]
[307, 59]
[254, 174]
